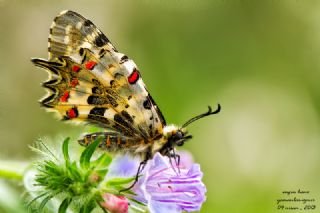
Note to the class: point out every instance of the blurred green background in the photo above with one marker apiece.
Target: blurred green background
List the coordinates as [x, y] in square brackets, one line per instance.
[258, 59]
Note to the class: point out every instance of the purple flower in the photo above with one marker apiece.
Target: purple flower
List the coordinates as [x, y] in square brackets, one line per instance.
[164, 189]
[169, 191]
[123, 166]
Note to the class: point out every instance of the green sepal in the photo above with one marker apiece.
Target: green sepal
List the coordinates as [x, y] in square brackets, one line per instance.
[87, 154]
[36, 198]
[119, 181]
[88, 207]
[45, 201]
[119, 189]
[73, 171]
[102, 172]
[65, 150]
[64, 205]
[102, 162]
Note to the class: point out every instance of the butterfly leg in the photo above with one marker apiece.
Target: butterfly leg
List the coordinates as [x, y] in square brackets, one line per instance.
[176, 158]
[140, 169]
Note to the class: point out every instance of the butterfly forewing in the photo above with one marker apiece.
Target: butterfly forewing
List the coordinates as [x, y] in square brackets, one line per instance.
[91, 82]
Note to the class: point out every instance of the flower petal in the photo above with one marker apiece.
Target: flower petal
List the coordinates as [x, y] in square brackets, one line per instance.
[123, 166]
[160, 207]
[186, 159]
[177, 192]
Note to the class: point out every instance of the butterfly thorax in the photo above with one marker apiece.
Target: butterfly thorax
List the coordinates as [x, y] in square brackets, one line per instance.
[172, 136]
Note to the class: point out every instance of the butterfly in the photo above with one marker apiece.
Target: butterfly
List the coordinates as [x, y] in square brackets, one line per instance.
[91, 82]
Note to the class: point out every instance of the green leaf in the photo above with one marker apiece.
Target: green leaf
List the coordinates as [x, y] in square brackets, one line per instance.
[104, 210]
[88, 207]
[36, 198]
[45, 201]
[65, 150]
[74, 171]
[102, 172]
[119, 188]
[64, 205]
[119, 181]
[87, 154]
[102, 162]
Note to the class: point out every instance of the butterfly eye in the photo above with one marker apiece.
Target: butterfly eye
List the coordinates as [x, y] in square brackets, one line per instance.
[179, 135]
[183, 139]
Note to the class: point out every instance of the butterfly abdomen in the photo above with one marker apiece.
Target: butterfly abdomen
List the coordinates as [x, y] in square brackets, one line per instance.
[117, 143]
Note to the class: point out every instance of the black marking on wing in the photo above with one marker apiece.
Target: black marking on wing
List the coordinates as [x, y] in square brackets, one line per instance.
[147, 104]
[98, 111]
[102, 52]
[48, 65]
[97, 100]
[112, 83]
[127, 116]
[123, 59]
[96, 90]
[45, 102]
[81, 51]
[120, 123]
[50, 82]
[101, 40]
[97, 114]
[112, 101]
[161, 117]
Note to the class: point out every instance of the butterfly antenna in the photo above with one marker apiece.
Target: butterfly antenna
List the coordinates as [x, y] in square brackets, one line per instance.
[202, 115]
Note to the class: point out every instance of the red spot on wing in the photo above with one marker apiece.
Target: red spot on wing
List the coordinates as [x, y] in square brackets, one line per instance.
[74, 82]
[75, 68]
[72, 113]
[65, 96]
[133, 78]
[90, 65]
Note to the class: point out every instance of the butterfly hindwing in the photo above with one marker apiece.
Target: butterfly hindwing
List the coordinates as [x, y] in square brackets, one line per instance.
[91, 82]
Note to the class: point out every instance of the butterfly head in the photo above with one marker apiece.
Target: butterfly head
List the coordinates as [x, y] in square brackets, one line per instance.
[176, 136]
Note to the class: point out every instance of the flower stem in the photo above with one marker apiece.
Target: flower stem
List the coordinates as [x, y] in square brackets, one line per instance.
[14, 175]
[12, 170]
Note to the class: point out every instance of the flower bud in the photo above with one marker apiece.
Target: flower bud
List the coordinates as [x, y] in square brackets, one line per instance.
[114, 204]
